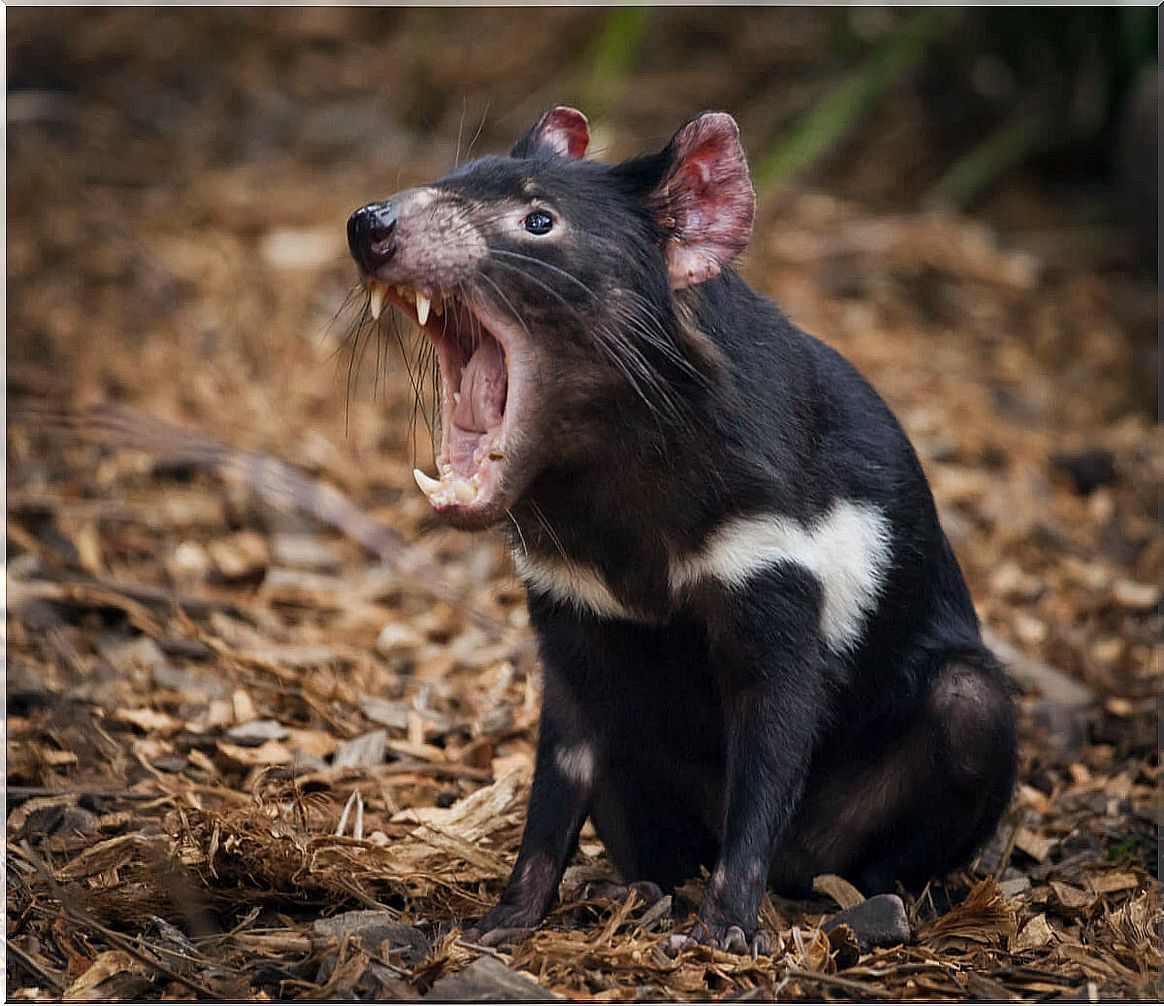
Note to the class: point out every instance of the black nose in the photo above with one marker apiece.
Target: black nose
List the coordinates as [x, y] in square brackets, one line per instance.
[371, 234]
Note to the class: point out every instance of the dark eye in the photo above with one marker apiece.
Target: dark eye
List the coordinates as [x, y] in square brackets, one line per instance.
[538, 222]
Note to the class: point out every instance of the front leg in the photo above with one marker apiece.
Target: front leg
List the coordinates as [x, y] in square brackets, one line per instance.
[770, 665]
[558, 804]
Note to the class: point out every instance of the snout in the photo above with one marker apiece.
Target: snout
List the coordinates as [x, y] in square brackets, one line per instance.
[372, 235]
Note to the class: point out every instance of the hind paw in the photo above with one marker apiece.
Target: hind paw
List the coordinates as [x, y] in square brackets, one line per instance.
[648, 893]
[505, 924]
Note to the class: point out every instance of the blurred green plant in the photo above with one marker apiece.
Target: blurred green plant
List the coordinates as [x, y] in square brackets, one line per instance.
[612, 57]
[848, 103]
[1062, 78]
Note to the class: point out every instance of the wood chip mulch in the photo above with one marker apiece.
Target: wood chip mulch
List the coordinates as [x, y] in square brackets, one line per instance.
[270, 732]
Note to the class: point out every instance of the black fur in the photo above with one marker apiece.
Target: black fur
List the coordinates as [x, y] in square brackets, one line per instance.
[727, 733]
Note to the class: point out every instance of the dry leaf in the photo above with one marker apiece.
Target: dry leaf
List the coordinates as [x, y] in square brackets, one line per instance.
[1036, 933]
[984, 918]
[1071, 897]
[1037, 846]
[1109, 883]
[270, 753]
[149, 721]
[837, 888]
[113, 975]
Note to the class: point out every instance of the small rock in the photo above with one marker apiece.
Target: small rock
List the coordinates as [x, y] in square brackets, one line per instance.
[258, 732]
[60, 819]
[373, 928]
[488, 980]
[878, 922]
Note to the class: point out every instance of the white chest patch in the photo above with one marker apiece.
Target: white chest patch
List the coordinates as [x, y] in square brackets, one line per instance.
[847, 550]
[566, 581]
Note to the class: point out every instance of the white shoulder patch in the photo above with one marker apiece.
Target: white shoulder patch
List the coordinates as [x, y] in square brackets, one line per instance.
[847, 550]
[567, 581]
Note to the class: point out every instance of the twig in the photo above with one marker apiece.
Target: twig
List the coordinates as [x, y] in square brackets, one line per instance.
[82, 917]
[848, 984]
[17, 794]
[38, 969]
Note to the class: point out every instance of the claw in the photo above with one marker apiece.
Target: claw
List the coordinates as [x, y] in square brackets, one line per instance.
[733, 940]
[507, 936]
[761, 945]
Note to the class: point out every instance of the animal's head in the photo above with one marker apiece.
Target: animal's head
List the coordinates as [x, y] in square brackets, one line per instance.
[548, 286]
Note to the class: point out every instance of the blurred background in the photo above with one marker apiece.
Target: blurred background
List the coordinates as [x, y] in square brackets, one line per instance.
[963, 202]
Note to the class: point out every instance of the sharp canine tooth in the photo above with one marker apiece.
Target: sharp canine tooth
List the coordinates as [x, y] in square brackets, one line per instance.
[376, 293]
[422, 306]
[438, 307]
[464, 491]
[428, 485]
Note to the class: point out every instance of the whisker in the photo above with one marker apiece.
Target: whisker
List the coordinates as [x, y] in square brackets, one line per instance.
[553, 536]
[521, 537]
[477, 135]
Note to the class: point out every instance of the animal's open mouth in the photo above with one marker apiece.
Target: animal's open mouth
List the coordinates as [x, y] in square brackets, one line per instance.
[482, 368]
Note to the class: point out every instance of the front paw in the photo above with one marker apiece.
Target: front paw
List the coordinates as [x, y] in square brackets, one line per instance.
[505, 924]
[732, 939]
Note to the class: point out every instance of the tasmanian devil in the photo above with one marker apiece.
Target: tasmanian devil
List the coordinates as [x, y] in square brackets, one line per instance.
[760, 654]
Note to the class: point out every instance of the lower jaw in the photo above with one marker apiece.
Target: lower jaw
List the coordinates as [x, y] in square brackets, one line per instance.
[464, 499]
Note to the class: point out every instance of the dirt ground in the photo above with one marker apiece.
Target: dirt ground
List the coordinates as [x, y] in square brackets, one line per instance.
[252, 688]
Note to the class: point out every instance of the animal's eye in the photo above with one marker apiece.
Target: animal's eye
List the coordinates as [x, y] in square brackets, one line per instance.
[538, 222]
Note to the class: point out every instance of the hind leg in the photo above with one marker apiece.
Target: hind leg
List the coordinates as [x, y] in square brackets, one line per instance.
[924, 805]
[653, 832]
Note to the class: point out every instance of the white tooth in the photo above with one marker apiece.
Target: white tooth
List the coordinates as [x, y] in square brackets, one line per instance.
[428, 485]
[456, 398]
[464, 491]
[422, 306]
[376, 293]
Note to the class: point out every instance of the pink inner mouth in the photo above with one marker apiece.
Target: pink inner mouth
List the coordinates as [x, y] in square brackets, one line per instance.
[478, 407]
[478, 389]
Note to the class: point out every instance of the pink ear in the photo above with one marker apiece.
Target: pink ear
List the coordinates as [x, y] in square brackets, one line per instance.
[562, 130]
[706, 201]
